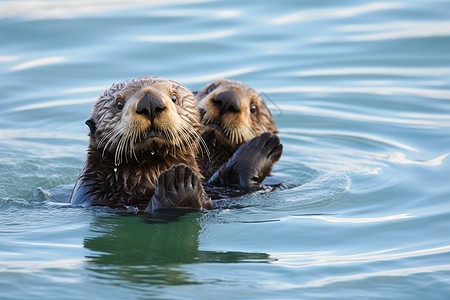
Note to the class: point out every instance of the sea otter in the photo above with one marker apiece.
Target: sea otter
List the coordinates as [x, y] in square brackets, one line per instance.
[144, 139]
[240, 133]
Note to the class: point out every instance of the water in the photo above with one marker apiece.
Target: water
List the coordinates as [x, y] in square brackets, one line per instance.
[360, 93]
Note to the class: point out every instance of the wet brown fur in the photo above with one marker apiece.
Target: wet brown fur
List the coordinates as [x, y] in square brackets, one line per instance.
[123, 162]
[224, 134]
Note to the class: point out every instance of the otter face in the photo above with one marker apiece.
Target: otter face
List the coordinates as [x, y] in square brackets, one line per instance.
[140, 117]
[234, 111]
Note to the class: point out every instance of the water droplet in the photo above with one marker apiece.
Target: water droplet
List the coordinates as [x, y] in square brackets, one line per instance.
[115, 169]
[152, 153]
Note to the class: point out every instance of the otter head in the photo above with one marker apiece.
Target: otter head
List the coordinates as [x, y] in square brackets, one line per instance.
[139, 118]
[234, 111]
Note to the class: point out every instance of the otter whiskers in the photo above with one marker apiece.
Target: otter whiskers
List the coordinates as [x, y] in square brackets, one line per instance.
[122, 141]
[238, 136]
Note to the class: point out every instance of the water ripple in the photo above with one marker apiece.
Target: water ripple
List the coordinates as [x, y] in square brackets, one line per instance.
[378, 71]
[375, 90]
[54, 104]
[334, 13]
[214, 76]
[39, 63]
[348, 134]
[38, 134]
[8, 58]
[186, 38]
[325, 187]
[400, 158]
[225, 13]
[87, 89]
[386, 273]
[308, 259]
[75, 8]
[401, 30]
[438, 121]
[29, 266]
[357, 220]
[191, 79]
[51, 244]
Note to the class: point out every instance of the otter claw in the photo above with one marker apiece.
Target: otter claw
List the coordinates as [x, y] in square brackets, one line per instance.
[251, 163]
[177, 187]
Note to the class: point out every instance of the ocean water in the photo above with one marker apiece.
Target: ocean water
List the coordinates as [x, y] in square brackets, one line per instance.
[360, 93]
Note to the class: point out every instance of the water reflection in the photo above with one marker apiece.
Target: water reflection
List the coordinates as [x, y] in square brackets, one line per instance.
[153, 250]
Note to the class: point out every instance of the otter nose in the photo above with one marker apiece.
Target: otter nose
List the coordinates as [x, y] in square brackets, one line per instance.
[149, 106]
[227, 102]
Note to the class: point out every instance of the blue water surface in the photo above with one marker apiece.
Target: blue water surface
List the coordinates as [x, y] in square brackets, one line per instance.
[359, 91]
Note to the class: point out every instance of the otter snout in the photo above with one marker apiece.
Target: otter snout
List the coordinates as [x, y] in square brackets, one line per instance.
[150, 106]
[227, 102]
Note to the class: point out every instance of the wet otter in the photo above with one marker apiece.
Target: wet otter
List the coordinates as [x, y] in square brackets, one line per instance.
[239, 131]
[144, 139]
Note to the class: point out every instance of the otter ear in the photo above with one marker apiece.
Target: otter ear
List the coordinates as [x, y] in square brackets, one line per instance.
[91, 125]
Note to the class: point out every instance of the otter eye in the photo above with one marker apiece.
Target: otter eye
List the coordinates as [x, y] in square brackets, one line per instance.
[210, 89]
[174, 98]
[253, 109]
[120, 104]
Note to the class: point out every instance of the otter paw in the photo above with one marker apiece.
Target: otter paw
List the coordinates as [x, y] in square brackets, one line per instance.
[251, 163]
[177, 187]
